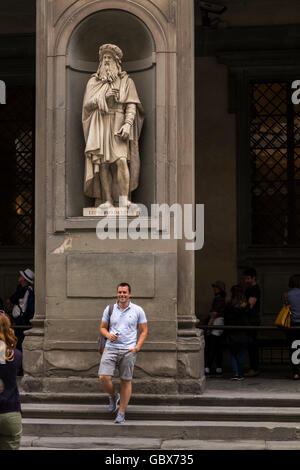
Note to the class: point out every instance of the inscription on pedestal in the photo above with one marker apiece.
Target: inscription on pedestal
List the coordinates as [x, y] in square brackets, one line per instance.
[112, 211]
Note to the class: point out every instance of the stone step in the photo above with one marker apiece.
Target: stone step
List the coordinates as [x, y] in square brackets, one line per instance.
[164, 413]
[165, 430]
[209, 399]
[104, 443]
[80, 443]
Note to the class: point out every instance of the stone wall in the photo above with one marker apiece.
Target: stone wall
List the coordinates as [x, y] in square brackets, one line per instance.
[77, 272]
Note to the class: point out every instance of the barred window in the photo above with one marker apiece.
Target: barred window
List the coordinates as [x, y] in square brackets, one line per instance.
[17, 167]
[275, 164]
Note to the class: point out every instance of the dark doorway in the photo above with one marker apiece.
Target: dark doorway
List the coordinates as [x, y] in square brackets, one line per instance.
[17, 149]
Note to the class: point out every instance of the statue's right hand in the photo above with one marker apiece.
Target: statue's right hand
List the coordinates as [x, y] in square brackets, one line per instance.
[113, 92]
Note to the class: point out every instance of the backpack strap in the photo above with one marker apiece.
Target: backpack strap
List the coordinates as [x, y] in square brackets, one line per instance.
[110, 310]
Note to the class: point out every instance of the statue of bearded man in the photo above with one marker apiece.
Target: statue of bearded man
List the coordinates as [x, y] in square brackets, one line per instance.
[112, 118]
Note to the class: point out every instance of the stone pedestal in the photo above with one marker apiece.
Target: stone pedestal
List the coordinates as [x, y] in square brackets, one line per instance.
[77, 273]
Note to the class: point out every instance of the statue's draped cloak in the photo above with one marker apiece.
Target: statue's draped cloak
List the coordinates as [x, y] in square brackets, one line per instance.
[100, 127]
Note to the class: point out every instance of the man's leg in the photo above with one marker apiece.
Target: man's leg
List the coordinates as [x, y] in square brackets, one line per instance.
[125, 394]
[126, 367]
[107, 385]
[106, 371]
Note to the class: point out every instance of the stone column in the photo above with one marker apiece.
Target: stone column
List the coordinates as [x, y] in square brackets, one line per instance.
[33, 346]
[190, 340]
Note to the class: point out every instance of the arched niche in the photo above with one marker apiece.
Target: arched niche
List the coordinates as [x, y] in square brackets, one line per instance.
[134, 38]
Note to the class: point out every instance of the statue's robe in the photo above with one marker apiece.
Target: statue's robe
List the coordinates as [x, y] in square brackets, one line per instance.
[101, 127]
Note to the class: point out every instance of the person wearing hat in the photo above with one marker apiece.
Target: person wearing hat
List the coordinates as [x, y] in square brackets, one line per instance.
[213, 339]
[20, 305]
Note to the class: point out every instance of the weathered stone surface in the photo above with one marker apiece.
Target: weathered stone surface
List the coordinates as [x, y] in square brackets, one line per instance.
[155, 364]
[213, 445]
[159, 308]
[67, 363]
[64, 363]
[196, 386]
[89, 443]
[88, 331]
[59, 6]
[189, 365]
[33, 361]
[86, 385]
[97, 275]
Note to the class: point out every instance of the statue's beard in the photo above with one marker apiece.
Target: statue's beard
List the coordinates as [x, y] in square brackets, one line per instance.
[108, 72]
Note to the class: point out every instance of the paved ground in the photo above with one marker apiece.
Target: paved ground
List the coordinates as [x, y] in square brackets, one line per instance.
[267, 384]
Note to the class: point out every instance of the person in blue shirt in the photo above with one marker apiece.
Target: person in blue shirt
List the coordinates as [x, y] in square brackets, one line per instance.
[293, 299]
[122, 346]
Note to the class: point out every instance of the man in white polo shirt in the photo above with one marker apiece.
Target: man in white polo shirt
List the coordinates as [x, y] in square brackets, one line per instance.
[121, 347]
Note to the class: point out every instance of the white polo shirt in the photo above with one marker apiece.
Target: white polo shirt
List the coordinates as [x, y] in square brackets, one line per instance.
[125, 322]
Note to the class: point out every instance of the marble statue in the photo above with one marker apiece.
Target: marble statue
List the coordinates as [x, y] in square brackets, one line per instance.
[112, 119]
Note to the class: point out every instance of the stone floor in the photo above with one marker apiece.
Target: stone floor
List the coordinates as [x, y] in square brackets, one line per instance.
[272, 383]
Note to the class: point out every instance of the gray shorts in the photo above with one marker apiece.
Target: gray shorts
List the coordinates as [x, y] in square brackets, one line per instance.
[121, 358]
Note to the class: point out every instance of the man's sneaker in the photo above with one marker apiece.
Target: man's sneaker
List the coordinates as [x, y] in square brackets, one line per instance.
[240, 377]
[235, 377]
[120, 418]
[114, 403]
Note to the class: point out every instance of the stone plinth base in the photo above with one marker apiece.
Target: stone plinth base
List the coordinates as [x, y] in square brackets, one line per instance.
[132, 211]
[179, 369]
[74, 385]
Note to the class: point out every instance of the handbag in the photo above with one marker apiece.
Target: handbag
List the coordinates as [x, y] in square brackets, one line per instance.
[101, 338]
[283, 318]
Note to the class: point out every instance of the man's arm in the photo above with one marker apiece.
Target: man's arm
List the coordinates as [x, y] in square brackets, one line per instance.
[104, 331]
[143, 330]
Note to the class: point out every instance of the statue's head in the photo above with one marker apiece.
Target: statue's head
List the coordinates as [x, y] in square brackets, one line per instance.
[111, 49]
[110, 57]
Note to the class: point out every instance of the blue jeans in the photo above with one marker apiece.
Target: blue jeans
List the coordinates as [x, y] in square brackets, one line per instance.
[238, 356]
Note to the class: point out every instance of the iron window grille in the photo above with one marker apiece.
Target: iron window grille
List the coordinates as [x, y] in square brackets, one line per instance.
[275, 164]
[17, 120]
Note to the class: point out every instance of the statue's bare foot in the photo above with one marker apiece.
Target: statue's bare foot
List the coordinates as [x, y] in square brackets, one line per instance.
[105, 206]
[124, 202]
[133, 209]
